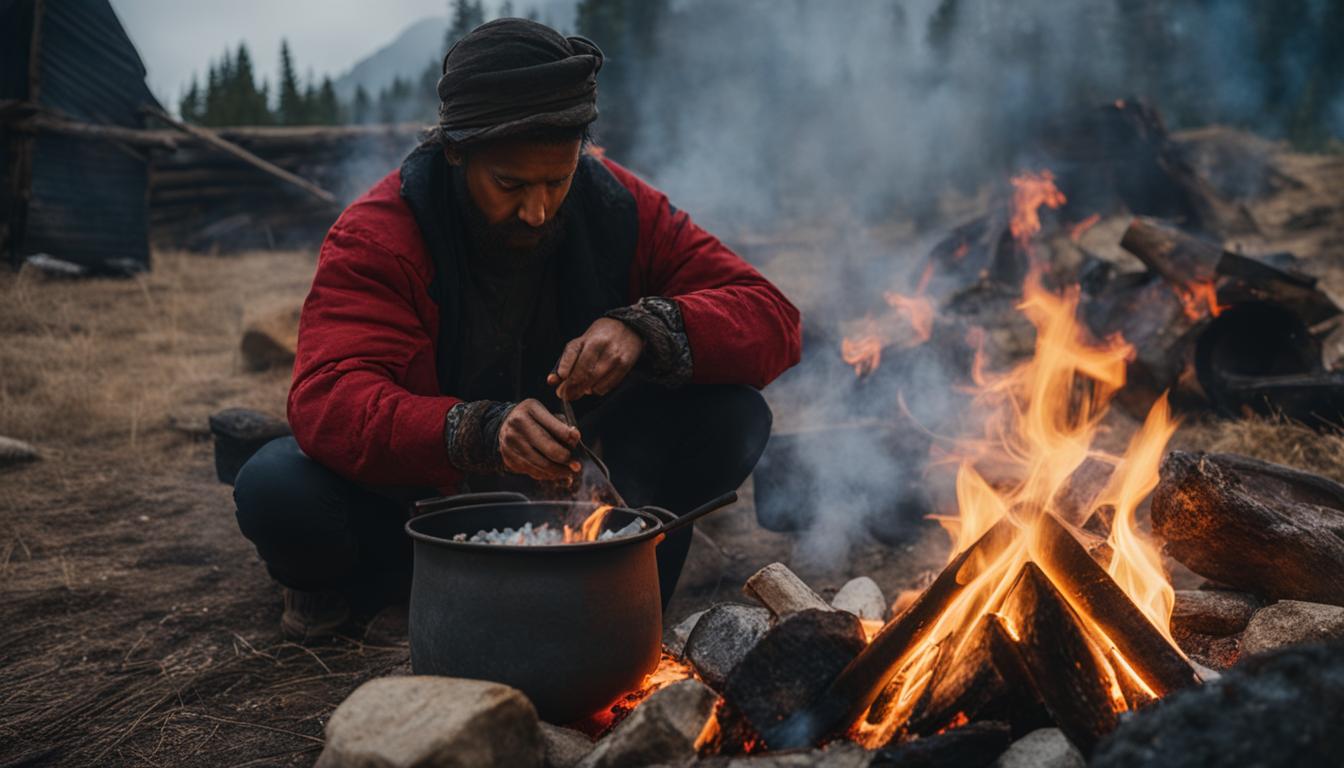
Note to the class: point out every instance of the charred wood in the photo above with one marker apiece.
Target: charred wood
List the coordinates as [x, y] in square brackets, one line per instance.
[1254, 526]
[971, 746]
[1051, 650]
[1092, 591]
[790, 666]
[864, 678]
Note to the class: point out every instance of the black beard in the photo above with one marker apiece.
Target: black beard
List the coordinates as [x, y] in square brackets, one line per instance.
[491, 242]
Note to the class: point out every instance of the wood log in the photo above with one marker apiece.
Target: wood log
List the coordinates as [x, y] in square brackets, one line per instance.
[973, 745]
[791, 665]
[1093, 593]
[859, 684]
[779, 589]
[1255, 526]
[214, 140]
[1051, 649]
[964, 683]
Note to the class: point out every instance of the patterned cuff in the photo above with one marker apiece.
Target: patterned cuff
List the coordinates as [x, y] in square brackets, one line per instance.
[471, 434]
[667, 351]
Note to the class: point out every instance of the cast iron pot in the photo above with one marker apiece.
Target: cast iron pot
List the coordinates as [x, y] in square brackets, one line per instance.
[573, 626]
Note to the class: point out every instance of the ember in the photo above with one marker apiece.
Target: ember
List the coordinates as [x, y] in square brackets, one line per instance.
[1030, 192]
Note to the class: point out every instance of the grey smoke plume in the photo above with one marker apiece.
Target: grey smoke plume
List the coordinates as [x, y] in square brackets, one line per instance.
[762, 115]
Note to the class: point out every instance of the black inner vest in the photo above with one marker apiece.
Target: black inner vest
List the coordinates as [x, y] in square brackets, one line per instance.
[500, 332]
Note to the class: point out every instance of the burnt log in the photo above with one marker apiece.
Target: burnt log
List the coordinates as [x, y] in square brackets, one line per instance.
[973, 745]
[964, 683]
[1049, 650]
[1252, 525]
[1092, 591]
[795, 661]
[864, 678]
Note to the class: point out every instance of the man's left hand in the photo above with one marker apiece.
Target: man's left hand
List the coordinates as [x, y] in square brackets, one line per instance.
[598, 361]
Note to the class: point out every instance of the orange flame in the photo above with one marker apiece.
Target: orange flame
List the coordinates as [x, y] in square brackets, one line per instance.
[909, 324]
[590, 528]
[1077, 231]
[1030, 192]
[1200, 298]
[1042, 418]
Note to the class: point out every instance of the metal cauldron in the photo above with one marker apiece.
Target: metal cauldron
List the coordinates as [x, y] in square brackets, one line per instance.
[573, 626]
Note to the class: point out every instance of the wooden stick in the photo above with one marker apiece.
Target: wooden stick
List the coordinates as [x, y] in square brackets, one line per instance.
[216, 141]
[1055, 654]
[859, 684]
[132, 136]
[779, 589]
[1092, 591]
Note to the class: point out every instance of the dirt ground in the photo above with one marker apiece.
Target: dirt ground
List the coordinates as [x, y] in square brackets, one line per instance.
[137, 626]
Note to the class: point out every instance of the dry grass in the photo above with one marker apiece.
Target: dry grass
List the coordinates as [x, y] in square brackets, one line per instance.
[1281, 441]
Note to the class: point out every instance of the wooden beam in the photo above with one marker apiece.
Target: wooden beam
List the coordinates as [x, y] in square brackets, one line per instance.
[132, 136]
[214, 140]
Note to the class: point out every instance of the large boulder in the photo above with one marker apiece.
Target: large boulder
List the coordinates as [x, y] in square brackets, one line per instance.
[15, 452]
[433, 722]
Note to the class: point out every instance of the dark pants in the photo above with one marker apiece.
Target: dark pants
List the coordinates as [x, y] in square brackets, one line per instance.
[673, 449]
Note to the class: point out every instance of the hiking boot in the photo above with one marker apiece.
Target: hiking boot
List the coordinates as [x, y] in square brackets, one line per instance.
[313, 616]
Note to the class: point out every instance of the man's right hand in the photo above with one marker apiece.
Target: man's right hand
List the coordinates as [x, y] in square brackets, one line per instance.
[533, 442]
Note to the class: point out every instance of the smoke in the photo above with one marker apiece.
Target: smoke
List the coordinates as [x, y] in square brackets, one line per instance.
[768, 115]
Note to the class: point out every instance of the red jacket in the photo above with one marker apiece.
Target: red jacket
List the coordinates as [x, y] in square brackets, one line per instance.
[365, 400]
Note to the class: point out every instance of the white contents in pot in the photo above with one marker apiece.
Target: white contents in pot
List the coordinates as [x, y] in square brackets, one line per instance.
[543, 535]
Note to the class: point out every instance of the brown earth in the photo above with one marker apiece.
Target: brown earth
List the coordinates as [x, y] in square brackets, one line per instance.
[137, 626]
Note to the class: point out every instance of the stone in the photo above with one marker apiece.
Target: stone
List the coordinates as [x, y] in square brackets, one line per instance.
[674, 640]
[16, 452]
[1042, 748]
[863, 598]
[271, 338]
[722, 637]
[565, 747]
[1291, 622]
[1213, 612]
[433, 722]
[1214, 652]
[665, 728]
[1277, 710]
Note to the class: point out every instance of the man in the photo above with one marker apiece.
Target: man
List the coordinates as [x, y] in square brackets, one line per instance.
[499, 270]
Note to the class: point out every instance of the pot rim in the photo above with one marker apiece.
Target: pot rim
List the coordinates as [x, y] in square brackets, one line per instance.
[655, 529]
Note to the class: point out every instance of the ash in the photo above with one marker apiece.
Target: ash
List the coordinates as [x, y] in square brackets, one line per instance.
[542, 535]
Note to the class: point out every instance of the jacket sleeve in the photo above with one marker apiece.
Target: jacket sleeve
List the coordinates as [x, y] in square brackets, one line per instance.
[359, 333]
[741, 328]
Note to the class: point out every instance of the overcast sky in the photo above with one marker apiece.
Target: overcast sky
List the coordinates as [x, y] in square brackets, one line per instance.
[178, 37]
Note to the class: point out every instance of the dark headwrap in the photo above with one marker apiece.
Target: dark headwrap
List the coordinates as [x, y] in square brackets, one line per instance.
[510, 76]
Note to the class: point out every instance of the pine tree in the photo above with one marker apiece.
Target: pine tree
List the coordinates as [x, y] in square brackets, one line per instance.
[327, 109]
[466, 15]
[361, 107]
[192, 105]
[626, 30]
[293, 110]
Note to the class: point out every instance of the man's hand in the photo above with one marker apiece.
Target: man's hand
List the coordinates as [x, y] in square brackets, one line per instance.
[598, 361]
[533, 442]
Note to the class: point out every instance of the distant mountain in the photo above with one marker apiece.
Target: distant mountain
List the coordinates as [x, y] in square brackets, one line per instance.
[407, 55]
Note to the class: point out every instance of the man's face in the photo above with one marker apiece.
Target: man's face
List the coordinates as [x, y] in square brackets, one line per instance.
[519, 187]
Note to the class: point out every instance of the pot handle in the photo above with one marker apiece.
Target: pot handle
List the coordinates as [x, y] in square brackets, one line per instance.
[440, 503]
[698, 512]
